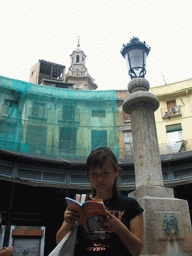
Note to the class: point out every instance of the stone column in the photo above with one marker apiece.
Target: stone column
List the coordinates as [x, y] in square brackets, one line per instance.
[167, 226]
[141, 106]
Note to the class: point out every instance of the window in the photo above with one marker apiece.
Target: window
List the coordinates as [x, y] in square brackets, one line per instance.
[57, 72]
[50, 70]
[98, 113]
[38, 110]
[126, 117]
[36, 139]
[98, 139]
[173, 128]
[9, 105]
[171, 110]
[128, 143]
[8, 132]
[68, 112]
[77, 59]
[170, 104]
[67, 139]
[174, 137]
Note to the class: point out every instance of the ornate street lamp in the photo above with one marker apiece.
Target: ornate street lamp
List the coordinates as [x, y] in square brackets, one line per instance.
[135, 54]
[141, 104]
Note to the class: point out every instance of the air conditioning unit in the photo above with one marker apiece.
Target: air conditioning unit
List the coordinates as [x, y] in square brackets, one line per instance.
[174, 110]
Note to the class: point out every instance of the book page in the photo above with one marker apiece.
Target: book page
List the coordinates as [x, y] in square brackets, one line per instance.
[91, 209]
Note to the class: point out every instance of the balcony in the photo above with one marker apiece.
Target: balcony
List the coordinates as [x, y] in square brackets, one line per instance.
[171, 112]
[170, 148]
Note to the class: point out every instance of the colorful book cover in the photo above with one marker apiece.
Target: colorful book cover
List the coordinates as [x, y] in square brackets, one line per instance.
[88, 213]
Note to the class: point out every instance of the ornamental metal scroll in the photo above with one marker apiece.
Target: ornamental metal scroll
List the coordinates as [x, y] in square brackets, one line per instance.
[170, 225]
[26, 252]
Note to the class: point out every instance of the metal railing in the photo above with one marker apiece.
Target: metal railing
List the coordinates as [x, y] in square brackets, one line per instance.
[172, 111]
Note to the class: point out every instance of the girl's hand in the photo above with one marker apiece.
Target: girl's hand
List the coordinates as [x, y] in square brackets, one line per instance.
[111, 223]
[7, 251]
[70, 216]
[133, 238]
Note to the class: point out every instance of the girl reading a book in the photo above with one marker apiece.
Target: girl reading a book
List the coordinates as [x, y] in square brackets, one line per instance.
[122, 226]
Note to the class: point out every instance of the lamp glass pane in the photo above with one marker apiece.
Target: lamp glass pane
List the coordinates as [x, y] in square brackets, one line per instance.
[145, 58]
[136, 58]
[127, 60]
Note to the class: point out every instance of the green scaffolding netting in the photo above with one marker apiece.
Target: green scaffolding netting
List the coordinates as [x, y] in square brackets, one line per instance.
[57, 122]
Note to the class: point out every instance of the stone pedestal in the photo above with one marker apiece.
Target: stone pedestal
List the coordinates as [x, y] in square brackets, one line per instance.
[167, 225]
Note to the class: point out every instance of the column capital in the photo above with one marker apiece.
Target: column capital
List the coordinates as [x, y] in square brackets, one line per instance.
[138, 84]
[140, 98]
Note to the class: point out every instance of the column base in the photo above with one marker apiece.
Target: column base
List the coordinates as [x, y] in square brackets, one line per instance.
[152, 191]
[167, 224]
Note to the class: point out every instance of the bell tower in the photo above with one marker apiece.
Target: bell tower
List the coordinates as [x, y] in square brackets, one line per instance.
[78, 56]
[77, 72]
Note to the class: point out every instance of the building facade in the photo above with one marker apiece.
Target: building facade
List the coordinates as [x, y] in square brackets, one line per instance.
[174, 116]
[45, 120]
[173, 119]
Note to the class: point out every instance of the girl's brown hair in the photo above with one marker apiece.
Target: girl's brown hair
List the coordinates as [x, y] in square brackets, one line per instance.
[97, 158]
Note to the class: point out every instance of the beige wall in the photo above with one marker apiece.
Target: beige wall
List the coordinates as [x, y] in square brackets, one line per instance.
[181, 92]
[33, 77]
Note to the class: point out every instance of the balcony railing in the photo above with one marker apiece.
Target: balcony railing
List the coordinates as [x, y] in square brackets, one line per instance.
[171, 112]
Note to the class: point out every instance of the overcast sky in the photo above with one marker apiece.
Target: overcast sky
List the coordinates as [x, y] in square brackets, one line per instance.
[49, 30]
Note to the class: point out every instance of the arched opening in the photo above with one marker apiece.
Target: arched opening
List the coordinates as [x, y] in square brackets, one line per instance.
[77, 59]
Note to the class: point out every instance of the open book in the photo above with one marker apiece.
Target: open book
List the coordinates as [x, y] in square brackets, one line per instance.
[88, 212]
